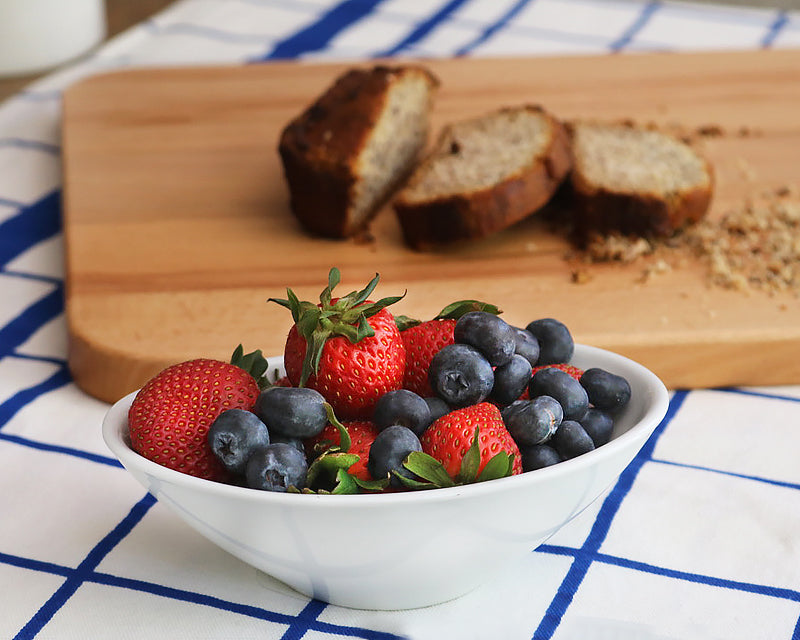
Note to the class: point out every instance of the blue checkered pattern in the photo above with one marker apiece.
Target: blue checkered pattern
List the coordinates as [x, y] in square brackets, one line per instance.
[698, 539]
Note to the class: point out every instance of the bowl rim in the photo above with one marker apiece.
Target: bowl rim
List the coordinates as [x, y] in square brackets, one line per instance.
[115, 425]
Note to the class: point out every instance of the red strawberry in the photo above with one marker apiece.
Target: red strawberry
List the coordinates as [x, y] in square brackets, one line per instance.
[567, 368]
[448, 438]
[423, 340]
[283, 382]
[170, 416]
[356, 353]
[362, 435]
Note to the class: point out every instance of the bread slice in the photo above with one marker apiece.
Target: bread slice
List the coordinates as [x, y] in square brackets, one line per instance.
[484, 175]
[349, 150]
[635, 180]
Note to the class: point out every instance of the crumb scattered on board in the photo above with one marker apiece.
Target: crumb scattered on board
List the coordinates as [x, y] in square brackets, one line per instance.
[753, 246]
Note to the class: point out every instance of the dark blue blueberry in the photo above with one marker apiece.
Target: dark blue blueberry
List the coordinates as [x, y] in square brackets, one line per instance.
[402, 407]
[297, 443]
[438, 408]
[460, 375]
[555, 340]
[563, 387]
[234, 436]
[538, 457]
[276, 467]
[488, 333]
[532, 422]
[297, 412]
[598, 424]
[571, 440]
[606, 390]
[510, 380]
[390, 447]
[526, 345]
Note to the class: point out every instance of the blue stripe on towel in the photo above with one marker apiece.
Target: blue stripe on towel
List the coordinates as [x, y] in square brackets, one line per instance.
[493, 28]
[318, 35]
[31, 225]
[611, 504]
[630, 33]
[423, 29]
[92, 560]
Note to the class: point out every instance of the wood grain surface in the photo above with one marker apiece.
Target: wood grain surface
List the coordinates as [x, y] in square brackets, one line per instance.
[177, 228]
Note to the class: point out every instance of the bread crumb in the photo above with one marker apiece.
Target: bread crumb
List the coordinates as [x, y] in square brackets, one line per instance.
[581, 276]
[710, 131]
[754, 246]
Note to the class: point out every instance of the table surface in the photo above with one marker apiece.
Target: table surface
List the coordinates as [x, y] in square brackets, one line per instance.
[696, 540]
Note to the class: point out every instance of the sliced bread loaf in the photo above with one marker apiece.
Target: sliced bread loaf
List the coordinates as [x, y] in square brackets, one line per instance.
[484, 175]
[635, 180]
[348, 151]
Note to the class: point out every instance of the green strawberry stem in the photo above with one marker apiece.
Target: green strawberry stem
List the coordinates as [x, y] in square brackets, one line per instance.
[344, 437]
[452, 311]
[470, 462]
[328, 473]
[254, 363]
[346, 317]
[433, 475]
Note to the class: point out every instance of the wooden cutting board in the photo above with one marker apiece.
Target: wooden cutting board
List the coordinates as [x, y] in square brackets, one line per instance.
[177, 228]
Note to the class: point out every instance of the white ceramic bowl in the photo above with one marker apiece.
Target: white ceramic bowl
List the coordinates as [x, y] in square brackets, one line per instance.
[401, 550]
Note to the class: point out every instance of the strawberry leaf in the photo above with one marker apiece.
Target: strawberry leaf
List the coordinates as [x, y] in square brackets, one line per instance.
[500, 465]
[254, 363]
[410, 483]
[327, 467]
[345, 483]
[362, 295]
[406, 322]
[470, 462]
[334, 277]
[457, 309]
[428, 468]
[372, 485]
[344, 435]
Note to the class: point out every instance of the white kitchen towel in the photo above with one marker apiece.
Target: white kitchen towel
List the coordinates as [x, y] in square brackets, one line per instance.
[698, 539]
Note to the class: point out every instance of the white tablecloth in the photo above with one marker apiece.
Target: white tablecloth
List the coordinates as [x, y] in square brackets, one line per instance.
[699, 539]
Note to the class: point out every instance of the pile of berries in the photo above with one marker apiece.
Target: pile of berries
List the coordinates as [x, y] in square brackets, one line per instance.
[373, 402]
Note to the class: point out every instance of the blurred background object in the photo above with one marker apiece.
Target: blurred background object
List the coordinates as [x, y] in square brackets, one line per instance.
[101, 19]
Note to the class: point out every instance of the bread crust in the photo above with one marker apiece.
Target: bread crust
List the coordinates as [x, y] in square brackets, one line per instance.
[482, 212]
[320, 167]
[597, 209]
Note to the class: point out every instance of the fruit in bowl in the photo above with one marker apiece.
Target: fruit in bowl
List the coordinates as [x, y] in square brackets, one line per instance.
[458, 422]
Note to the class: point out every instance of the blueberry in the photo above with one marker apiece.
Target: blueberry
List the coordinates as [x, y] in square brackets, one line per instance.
[488, 333]
[606, 390]
[571, 440]
[526, 345]
[564, 388]
[390, 447]
[297, 443]
[598, 424]
[510, 380]
[402, 407]
[234, 436]
[276, 467]
[438, 408]
[297, 412]
[532, 422]
[555, 341]
[538, 457]
[460, 375]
